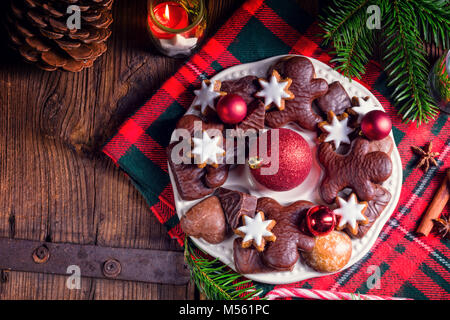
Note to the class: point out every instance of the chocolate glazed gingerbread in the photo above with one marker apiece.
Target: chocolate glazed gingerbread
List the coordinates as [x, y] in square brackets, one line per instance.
[374, 209]
[283, 253]
[359, 170]
[235, 204]
[193, 182]
[336, 99]
[245, 87]
[305, 88]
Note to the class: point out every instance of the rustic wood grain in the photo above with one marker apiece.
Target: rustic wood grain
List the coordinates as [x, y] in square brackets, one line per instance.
[54, 183]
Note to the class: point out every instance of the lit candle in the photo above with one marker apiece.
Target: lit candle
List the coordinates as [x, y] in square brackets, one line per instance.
[171, 15]
[176, 28]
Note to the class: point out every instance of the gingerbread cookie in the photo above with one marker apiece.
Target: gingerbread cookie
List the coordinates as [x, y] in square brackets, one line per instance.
[256, 231]
[191, 181]
[215, 176]
[305, 89]
[336, 99]
[275, 91]
[245, 87]
[235, 204]
[351, 213]
[335, 129]
[385, 145]
[190, 121]
[284, 252]
[255, 117]
[248, 260]
[330, 253]
[360, 170]
[374, 208]
[205, 220]
[207, 94]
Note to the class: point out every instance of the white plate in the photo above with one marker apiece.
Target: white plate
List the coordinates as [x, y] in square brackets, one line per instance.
[239, 179]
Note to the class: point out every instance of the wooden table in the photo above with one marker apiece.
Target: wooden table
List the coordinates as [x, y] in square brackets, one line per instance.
[55, 185]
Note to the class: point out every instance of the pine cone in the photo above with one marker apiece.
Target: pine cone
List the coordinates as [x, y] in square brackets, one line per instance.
[38, 31]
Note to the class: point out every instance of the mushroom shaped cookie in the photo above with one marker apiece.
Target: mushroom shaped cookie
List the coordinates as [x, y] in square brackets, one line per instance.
[206, 220]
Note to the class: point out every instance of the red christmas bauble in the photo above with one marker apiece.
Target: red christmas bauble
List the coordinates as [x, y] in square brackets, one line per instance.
[285, 167]
[376, 125]
[320, 220]
[231, 108]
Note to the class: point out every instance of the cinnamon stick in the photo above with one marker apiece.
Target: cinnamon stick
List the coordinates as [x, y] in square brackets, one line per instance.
[438, 203]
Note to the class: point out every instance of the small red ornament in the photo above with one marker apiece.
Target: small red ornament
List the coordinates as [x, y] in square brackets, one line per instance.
[320, 220]
[376, 125]
[231, 109]
[294, 160]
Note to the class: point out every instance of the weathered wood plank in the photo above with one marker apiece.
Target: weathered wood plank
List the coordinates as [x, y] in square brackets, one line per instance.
[51, 191]
[54, 183]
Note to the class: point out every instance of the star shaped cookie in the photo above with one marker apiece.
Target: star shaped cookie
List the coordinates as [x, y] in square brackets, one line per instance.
[335, 129]
[364, 106]
[207, 94]
[207, 150]
[275, 91]
[351, 213]
[256, 231]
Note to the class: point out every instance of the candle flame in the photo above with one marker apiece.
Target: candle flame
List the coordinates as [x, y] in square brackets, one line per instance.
[166, 13]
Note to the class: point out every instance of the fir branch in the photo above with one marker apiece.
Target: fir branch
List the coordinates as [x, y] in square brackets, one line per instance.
[354, 42]
[406, 64]
[433, 18]
[215, 279]
[338, 15]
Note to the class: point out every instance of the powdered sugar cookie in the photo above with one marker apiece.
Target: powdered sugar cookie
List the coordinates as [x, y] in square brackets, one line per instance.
[364, 106]
[256, 231]
[207, 94]
[330, 253]
[275, 91]
[350, 213]
[335, 129]
[207, 150]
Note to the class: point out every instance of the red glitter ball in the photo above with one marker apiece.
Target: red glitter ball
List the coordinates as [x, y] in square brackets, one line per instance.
[294, 160]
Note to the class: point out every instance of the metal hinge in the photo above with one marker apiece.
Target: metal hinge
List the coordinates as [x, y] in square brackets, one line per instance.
[152, 266]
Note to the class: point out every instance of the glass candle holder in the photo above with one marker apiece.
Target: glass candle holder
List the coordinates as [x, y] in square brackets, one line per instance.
[176, 27]
[439, 82]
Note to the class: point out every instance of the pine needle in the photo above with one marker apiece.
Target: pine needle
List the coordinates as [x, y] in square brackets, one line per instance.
[214, 279]
[406, 63]
[406, 24]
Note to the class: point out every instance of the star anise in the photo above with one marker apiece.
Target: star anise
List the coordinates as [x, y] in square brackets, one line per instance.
[443, 226]
[427, 157]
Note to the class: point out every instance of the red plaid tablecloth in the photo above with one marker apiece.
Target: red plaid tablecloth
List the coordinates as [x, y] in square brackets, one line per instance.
[410, 266]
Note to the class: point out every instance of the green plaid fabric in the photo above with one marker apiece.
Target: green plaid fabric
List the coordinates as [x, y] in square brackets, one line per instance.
[409, 266]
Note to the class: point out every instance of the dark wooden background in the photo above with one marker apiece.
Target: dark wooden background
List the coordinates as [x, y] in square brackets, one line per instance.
[55, 185]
